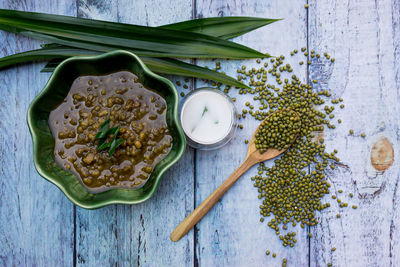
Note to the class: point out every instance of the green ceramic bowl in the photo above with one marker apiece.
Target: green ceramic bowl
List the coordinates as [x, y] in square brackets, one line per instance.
[54, 93]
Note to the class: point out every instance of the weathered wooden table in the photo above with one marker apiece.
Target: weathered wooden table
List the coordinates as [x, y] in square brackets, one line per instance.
[40, 227]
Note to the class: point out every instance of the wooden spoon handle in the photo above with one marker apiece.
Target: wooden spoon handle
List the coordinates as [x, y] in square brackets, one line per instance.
[210, 201]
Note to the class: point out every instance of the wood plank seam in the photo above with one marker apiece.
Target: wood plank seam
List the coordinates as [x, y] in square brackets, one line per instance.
[307, 10]
[195, 229]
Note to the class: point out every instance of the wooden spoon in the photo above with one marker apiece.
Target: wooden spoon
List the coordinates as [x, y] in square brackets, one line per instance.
[253, 156]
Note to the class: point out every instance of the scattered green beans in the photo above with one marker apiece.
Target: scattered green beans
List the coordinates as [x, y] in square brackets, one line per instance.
[292, 190]
[289, 193]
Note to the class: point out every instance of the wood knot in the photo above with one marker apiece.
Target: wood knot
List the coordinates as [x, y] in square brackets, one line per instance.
[382, 154]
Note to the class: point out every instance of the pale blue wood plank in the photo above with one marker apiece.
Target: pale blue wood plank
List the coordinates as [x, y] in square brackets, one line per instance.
[139, 234]
[394, 244]
[98, 227]
[153, 221]
[364, 38]
[231, 233]
[150, 224]
[97, 230]
[36, 219]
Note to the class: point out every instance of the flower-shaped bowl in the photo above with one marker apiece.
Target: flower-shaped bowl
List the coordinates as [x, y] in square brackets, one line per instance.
[54, 93]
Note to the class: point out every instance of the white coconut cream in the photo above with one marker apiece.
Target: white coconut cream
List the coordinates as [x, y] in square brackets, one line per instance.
[208, 118]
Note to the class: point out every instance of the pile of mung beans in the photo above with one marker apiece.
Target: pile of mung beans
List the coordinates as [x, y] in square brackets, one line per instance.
[291, 191]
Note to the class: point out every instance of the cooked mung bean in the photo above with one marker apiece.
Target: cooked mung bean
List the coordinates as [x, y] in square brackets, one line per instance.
[140, 114]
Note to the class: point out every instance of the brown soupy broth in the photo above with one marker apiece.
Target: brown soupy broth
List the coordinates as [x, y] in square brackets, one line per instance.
[139, 112]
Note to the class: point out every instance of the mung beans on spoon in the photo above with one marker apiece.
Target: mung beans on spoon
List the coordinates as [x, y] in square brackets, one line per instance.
[272, 137]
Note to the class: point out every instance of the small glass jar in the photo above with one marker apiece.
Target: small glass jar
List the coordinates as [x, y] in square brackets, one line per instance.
[208, 118]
